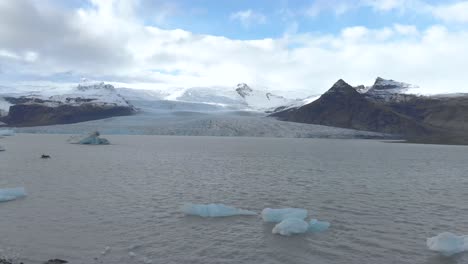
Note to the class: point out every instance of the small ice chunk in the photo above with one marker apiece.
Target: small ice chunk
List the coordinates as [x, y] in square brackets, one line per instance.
[2, 148]
[291, 226]
[278, 215]
[6, 132]
[105, 251]
[91, 139]
[10, 194]
[448, 244]
[318, 226]
[214, 210]
[132, 254]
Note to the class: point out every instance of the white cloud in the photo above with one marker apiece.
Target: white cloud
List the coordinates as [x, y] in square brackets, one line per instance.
[249, 17]
[456, 12]
[110, 43]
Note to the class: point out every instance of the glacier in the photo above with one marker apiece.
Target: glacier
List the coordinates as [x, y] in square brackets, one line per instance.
[10, 194]
[448, 244]
[278, 215]
[7, 132]
[291, 226]
[214, 210]
[318, 226]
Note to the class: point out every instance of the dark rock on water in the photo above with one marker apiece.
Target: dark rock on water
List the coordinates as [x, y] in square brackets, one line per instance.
[56, 261]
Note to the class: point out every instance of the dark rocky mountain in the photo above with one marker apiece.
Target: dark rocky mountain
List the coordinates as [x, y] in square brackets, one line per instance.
[84, 103]
[417, 118]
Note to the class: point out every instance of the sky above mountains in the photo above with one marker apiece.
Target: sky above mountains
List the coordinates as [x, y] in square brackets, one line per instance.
[298, 47]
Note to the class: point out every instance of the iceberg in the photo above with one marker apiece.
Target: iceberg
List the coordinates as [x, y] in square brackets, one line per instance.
[2, 148]
[6, 132]
[278, 215]
[318, 226]
[10, 194]
[214, 210]
[291, 226]
[448, 244]
[91, 139]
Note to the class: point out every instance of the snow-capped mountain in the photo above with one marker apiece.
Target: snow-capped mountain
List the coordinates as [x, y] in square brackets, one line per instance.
[93, 93]
[261, 100]
[85, 102]
[388, 90]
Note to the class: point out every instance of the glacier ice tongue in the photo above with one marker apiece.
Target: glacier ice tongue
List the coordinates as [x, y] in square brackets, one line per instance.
[318, 226]
[6, 132]
[278, 215]
[291, 226]
[10, 194]
[448, 244]
[214, 210]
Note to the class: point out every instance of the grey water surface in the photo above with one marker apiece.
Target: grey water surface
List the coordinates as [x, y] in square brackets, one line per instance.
[382, 199]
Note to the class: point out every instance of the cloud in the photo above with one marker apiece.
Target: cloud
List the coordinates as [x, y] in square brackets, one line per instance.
[249, 17]
[456, 12]
[109, 42]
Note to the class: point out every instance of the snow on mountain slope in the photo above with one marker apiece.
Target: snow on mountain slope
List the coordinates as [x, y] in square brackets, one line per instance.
[212, 95]
[261, 100]
[4, 107]
[95, 93]
[388, 90]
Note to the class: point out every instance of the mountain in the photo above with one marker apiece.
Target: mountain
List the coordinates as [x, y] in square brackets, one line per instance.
[342, 106]
[83, 103]
[389, 107]
[261, 100]
[389, 90]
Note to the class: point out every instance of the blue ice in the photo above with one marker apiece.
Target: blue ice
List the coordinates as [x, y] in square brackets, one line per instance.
[214, 210]
[448, 244]
[291, 226]
[278, 215]
[10, 194]
[318, 226]
[6, 132]
[91, 139]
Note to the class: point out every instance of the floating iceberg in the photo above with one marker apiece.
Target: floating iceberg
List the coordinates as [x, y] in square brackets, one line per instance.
[214, 210]
[278, 215]
[91, 139]
[448, 244]
[2, 148]
[10, 194]
[6, 132]
[291, 226]
[318, 226]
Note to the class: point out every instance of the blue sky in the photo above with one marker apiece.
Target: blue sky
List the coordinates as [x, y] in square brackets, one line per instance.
[297, 46]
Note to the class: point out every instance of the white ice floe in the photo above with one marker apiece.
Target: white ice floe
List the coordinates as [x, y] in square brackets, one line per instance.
[10, 194]
[448, 244]
[214, 210]
[291, 226]
[91, 139]
[318, 226]
[278, 215]
[6, 132]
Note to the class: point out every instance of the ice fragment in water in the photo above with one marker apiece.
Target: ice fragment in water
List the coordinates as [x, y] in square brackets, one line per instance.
[91, 139]
[278, 215]
[214, 210]
[291, 226]
[447, 243]
[6, 132]
[10, 194]
[318, 226]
